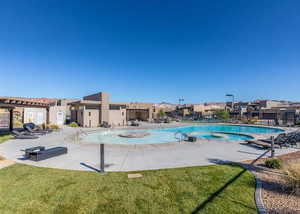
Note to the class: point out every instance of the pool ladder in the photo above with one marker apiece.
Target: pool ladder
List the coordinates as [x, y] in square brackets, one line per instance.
[179, 135]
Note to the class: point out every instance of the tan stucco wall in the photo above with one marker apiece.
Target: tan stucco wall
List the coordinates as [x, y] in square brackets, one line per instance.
[199, 108]
[91, 118]
[117, 117]
[53, 110]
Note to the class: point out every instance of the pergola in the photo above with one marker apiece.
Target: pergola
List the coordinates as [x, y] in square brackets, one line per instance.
[11, 103]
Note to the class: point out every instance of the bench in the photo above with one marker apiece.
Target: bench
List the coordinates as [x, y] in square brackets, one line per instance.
[48, 153]
[33, 149]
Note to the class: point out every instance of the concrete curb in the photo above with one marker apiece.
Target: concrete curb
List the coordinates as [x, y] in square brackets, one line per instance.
[258, 190]
[258, 194]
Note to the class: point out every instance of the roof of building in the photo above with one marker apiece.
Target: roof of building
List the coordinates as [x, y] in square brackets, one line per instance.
[20, 101]
[85, 102]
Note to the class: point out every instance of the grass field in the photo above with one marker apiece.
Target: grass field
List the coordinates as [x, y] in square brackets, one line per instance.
[206, 189]
[4, 137]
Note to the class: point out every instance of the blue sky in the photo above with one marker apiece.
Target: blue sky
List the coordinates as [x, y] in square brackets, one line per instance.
[151, 51]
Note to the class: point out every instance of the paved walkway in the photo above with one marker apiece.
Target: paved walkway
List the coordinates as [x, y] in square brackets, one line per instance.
[84, 156]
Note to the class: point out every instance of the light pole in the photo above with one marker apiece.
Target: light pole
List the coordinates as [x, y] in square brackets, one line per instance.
[180, 100]
[231, 95]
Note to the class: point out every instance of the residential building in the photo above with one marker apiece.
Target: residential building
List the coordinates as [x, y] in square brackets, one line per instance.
[60, 112]
[23, 110]
[96, 109]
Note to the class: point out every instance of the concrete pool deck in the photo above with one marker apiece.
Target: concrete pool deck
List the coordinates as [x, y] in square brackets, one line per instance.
[85, 156]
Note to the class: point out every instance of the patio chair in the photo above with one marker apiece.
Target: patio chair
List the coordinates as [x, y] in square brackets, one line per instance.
[20, 135]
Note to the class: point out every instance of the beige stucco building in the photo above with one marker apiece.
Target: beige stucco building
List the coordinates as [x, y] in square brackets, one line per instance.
[95, 109]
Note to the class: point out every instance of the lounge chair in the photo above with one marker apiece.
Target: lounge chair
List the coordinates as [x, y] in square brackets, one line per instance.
[34, 128]
[259, 143]
[282, 140]
[47, 153]
[20, 135]
[134, 123]
[293, 138]
[105, 125]
[191, 139]
[30, 130]
[32, 149]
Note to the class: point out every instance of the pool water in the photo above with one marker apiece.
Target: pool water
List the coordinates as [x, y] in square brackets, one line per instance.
[166, 135]
[226, 136]
[226, 128]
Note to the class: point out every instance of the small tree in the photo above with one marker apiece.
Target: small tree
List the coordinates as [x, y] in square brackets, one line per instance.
[222, 114]
[161, 113]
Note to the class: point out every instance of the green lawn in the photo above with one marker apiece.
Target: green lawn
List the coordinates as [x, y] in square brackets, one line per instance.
[28, 189]
[4, 137]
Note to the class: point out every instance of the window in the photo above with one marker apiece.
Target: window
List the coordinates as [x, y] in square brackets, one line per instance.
[122, 113]
[89, 113]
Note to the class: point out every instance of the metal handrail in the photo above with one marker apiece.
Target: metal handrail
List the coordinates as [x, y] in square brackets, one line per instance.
[182, 135]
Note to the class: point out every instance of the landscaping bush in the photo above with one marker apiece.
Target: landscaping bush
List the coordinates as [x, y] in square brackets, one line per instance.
[73, 124]
[293, 176]
[273, 163]
[222, 114]
[17, 124]
[253, 120]
[42, 126]
[167, 120]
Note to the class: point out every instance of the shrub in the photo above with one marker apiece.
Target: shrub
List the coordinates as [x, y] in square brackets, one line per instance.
[161, 113]
[73, 124]
[167, 120]
[17, 124]
[253, 120]
[293, 176]
[273, 163]
[222, 115]
[42, 126]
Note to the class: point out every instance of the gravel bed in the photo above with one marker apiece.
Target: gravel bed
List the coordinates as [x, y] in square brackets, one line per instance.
[277, 197]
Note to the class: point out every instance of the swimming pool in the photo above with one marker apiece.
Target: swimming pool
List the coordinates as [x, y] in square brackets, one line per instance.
[166, 135]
